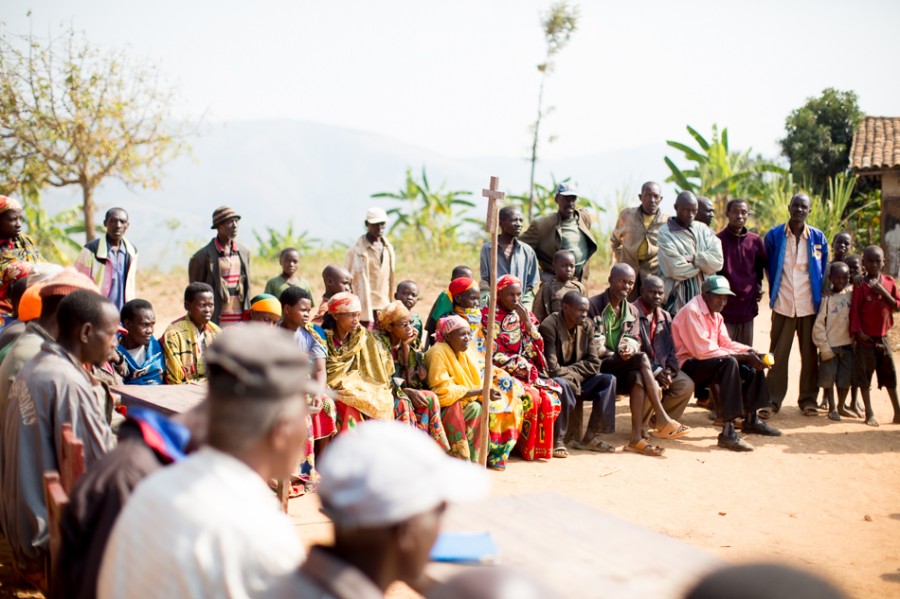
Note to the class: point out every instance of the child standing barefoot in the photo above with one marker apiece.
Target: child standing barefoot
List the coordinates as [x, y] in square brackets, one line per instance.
[871, 317]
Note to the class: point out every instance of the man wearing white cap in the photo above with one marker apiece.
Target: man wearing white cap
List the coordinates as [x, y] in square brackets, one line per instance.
[733, 371]
[371, 262]
[385, 488]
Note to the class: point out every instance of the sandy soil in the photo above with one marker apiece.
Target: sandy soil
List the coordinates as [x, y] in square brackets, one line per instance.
[825, 496]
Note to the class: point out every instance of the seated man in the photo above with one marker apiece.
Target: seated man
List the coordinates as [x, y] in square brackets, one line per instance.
[54, 389]
[618, 332]
[209, 525]
[574, 362]
[186, 339]
[658, 344]
[384, 488]
[710, 357]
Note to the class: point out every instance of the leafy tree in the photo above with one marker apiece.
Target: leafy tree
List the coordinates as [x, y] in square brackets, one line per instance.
[819, 135]
[558, 23]
[431, 215]
[272, 242]
[53, 233]
[716, 172]
[71, 115]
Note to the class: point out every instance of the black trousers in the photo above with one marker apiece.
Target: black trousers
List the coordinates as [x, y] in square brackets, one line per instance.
[741, 389]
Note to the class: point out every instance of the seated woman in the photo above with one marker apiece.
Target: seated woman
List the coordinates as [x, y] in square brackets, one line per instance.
[357, 368]
[455, 376]
[519, 350]
[413, 403]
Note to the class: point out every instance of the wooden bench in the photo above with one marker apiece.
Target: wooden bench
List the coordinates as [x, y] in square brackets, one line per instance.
[57, 488]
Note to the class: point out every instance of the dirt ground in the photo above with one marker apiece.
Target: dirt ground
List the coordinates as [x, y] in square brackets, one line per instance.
[824, 497]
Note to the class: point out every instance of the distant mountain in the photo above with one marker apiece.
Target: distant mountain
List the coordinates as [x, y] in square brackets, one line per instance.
[321, 178]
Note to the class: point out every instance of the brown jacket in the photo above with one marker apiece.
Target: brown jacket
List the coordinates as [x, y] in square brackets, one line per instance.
[543, 234]
[584, 361]
[628, 236]
[204, 267]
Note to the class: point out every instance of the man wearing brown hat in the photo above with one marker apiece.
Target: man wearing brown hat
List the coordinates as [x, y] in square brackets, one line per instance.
[224, 265]
[216, 503]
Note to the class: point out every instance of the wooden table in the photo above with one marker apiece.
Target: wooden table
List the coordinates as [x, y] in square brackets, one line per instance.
[178, 399]
[166, 399]
[576, 550]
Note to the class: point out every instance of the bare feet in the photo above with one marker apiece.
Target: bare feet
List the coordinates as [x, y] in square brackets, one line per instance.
[870, 421]
[849, 412]
[833, 415]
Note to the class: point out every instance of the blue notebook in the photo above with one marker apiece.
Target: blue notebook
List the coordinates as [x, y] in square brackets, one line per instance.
[464, 547]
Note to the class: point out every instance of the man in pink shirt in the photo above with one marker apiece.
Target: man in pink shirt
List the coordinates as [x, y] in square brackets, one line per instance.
[733, 371]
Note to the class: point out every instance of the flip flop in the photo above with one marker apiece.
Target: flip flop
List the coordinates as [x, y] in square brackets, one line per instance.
[596, 444]
[644, 448]
[765, 413]
[560, 452]
[810, 412]
[673, 430]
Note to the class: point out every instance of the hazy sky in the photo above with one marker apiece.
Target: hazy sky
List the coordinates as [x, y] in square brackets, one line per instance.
[459, 77]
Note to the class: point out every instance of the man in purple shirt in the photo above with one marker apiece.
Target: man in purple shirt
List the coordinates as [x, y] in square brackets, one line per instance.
[745, 263]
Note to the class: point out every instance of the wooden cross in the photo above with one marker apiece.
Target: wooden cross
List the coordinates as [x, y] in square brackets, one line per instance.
[492, 223]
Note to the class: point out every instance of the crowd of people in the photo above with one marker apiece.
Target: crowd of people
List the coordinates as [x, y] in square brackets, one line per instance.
[295, 381]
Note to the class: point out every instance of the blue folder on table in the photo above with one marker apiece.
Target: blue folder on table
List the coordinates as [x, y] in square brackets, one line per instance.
[465, 547]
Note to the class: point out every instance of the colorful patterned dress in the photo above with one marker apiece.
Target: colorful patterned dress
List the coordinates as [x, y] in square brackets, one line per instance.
[413, 375]
[507, 413]
[519, 350]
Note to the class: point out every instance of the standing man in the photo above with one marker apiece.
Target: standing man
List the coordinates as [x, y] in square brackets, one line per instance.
[706, 211]
[634, 240]
[744, 262]
[111, 260]
[568, 229]
[14, 245]
[513, 257]
[797, 256]
[573, 360]
[224, 265]
[371, 264]
[689, 252]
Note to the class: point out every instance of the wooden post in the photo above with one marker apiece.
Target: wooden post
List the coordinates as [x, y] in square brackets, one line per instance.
[491, 225]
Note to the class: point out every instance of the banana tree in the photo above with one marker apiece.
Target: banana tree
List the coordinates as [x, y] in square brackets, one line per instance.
[716, 171]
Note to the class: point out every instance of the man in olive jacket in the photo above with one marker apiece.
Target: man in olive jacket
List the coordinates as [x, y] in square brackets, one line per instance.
[634, 241]
[568, 229]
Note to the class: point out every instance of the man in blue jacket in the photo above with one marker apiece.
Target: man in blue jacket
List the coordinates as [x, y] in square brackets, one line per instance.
[797, 257]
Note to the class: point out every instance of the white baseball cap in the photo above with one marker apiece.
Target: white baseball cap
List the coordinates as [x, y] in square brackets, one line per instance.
[386, 472]
[376, 215]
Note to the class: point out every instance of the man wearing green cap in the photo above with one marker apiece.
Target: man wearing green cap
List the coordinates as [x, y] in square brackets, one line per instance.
[224, 265]
[733, 371]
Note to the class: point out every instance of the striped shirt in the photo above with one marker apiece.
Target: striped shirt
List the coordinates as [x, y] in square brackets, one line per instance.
[230, 270]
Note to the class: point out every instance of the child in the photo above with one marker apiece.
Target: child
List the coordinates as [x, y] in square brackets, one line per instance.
[840, 246]
[831, 334]
[550, 293]
[296, 309]
[871, 317]
[408, 294]
[290, 261]
[188, 337]
[337, 279]
[443, 305]
[264, 309]
[141, 354]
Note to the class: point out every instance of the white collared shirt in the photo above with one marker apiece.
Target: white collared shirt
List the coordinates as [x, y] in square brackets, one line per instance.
[795, 298]
[206, 527]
